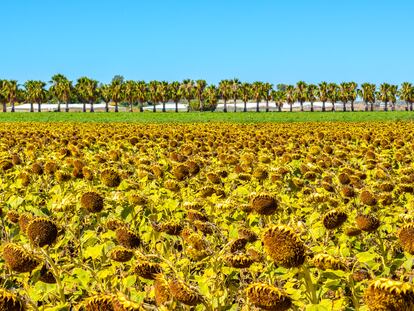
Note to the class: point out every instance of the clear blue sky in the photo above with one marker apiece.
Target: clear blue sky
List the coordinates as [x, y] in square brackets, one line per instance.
[275, 41]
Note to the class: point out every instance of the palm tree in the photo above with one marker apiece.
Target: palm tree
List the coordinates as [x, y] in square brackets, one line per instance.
[393, 93]
[301, 93]
[333, 94]
[142, 94]
[278, 96]
[352, 93]
[367, 92]
[290, 94]
[87, 90]
[323, 93]
[406, 93]
[343, 94]
[225, 90]
[9, 89]
[267, 94]
[245, 94]
[175, 93]
[35, 93]
[153, 94]
[163, 93]
[199, 87]
[61, 90]
[3, 99]
[117, 91]
[312, 95]
[129, 92]
[187, 90]
[235, 85]
[211, 95]
[257, 93]
[105, 93]
[383, 94]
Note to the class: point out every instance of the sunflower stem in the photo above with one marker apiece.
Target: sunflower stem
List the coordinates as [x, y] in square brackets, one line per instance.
[56, 273]
[309, 284]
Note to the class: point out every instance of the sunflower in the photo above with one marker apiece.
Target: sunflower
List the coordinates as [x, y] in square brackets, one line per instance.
[268, 297]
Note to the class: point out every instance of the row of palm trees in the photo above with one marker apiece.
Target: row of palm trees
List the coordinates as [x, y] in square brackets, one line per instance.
[198, 94]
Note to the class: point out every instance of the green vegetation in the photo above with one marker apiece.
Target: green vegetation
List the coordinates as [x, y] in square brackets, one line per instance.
[61, 91]
[248, 117]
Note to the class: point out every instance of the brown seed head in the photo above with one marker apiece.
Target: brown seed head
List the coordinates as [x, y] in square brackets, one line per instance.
[268, 297]
[283, 246]
[334, 219]
[18, 259]
[263, 204]
[127, 238]
[10, 302]
[185, 293]
[92, 201]
[367, 223]
[42, 231]
[110, 178]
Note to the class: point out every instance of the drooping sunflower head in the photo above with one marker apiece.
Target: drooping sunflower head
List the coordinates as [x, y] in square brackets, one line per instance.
[406, 237]
[385, 294]
[368, 223]
[161, 290]
[284, 246]
[147, 270]
[268, 297]
[184, 293]
[367, 197]
[121, 254]
[10, 302]
[113, 224]
[248, 234]
[24, 220]
[13, 216]
[110, 177]
[325, 261]
[239, 260]
[18, 259]
[99, 302]
[263, 204]
[334, 219]
[92, 201]
[127, 238]
[42, 231]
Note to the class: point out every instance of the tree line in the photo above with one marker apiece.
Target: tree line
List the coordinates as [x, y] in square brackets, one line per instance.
[199, 95]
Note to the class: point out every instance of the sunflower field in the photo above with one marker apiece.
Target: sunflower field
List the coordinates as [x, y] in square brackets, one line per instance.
[219, 216]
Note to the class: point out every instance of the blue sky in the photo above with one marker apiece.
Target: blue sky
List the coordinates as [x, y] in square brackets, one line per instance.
[275, 41]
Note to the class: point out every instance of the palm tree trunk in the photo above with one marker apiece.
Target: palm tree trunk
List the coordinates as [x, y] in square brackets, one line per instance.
[333, 106]
[406, 106]
[4, 107]
[163, 107]
[257, 106]
[12, 106]
[225, 106]
[344, 106]
[279, 107]
[372, 106]
[311, 106]
[91, 108]
[385, 106]
[84, 107]
[267, 105]
[291, 107]
[107, 106]
[141, 106]
[130, 107]
[58, 107]
[411, 106]
[235, 107]
[31, 107]
[392, 106]
[67, 107]
[176, 106]
[323, 107]
[301, 106]
[116, 106]
[154, 107]
[352, 106]
[39, 107]
[366, 106]
[245, 107]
